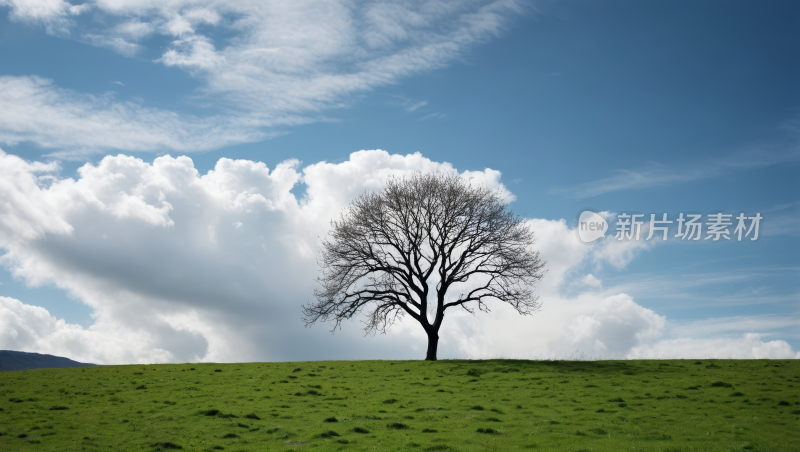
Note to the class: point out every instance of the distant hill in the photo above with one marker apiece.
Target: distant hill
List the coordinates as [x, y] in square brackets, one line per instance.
[11, 360]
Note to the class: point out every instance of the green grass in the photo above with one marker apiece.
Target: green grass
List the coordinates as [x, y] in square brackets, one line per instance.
[496, 405]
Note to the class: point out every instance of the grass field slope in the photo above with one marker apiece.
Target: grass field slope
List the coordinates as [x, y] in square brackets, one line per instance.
[496, 405]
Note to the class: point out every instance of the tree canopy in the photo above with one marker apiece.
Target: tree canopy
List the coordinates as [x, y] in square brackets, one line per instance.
[420, 246]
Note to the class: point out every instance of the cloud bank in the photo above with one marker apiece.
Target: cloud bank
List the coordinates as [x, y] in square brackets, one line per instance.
[183, 266]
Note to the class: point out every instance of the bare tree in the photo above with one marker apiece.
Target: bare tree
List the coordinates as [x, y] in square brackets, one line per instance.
[422, 245]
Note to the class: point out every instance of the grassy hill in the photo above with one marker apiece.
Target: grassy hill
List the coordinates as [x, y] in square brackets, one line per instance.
[497, 405]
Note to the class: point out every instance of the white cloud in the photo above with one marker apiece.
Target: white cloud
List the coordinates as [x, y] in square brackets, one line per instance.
[619, 253]
[589, 324]
[689, 289]
[659, 175]
[266, 64]
[728, 325]
[193, 53]
[433, 116]
[31, 328]
[416, 105]
[53, 14]
[409, 105]
[749, 346]
[35, 110]
[617, 323]
[215, 265]
[591, 281]
[135, 29]
[21, 217]
[115, 43]
[182, 266]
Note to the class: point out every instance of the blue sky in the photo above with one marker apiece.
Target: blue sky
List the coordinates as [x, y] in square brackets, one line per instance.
[617, 106]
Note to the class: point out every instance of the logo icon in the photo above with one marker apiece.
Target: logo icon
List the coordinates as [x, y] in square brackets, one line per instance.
[591, 226]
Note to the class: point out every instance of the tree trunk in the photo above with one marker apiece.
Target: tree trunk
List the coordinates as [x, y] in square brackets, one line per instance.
[433, 344]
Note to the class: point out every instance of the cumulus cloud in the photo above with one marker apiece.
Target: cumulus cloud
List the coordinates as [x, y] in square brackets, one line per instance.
[32, 328]
[183, 266]
[588, 326]
[749, 346]
[266, 64]
[591, 280]
[619, 253]
[216, 265]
